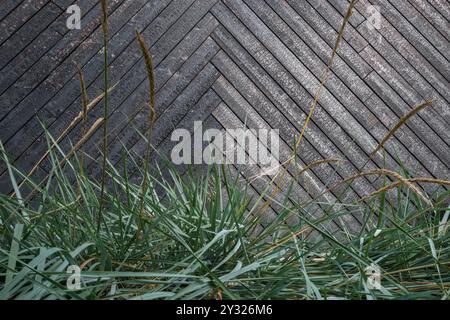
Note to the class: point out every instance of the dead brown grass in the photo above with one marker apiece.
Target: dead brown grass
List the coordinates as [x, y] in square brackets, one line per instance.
[325, 75]
[152, 114]
[399, 124]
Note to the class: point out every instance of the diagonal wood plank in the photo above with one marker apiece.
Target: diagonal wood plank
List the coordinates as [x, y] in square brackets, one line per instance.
[237, 64]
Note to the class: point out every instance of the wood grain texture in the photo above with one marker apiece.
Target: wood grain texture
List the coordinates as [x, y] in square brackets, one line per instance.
[237, 64]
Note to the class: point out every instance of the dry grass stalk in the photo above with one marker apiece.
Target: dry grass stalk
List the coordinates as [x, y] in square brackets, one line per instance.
[391, 132]
[430, 180]
[104, 17]
[323, 80]
[400, 123]
[150, 73]
[286, 239]
[84, 138]
[113, 133]
[398, 183]
[390, 173]
[74, 149]
[327, 72]
[72, 124]
[316, 164]
[84, 112]
[105, 108]
[152, 114]
[288, 161]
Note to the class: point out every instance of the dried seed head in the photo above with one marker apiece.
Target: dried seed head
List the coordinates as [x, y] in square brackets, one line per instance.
[400, 123]
[104, 18]
[150, 74]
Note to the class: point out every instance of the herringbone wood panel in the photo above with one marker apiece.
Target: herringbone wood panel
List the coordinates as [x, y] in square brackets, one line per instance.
[231, 64]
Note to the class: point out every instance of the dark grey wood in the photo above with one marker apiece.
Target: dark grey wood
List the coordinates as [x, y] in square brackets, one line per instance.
[18, 16]
[442, 7]
[306, 44]
[424, 28]
[123, 103]
[237, 64]
[396, 82]
[8, 6]
[45, 90]
[342, 6]
[43, 46]
[417, 125]
[137, 73]
[170, 117]
[63, 94]
[200, 112]
[329, 34]
[32, 131]
[168, 77]
[332, 17]
[410, 33]
[346, 121]
[364, 114]
[46, 65]
[433, 16]
[410, 66]
[187, 97]
[389, 34]
[28, 32]
[418, 84]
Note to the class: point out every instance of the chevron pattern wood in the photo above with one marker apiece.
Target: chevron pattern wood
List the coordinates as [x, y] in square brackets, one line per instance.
[237, 64]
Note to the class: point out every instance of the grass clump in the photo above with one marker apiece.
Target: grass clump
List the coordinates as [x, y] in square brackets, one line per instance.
[201, 238]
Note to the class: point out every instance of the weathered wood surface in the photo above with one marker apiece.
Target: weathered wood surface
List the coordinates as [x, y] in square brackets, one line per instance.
[231, 64]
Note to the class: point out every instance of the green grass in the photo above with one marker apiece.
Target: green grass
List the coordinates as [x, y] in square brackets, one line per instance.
[200, 238]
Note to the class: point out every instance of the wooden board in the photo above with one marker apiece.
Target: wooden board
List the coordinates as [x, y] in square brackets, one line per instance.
[236, 64]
